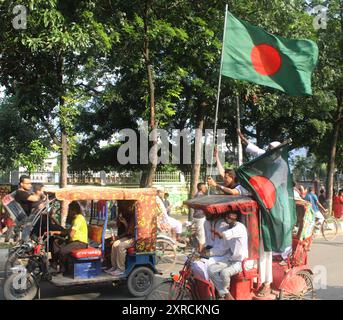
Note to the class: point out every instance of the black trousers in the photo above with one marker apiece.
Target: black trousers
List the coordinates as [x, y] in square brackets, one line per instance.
[61, 251]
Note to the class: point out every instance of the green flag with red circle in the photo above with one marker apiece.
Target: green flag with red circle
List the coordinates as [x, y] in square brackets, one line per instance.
[269, 179]
[250, 53]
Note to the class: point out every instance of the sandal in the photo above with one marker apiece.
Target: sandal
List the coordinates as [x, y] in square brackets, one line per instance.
[264, 291]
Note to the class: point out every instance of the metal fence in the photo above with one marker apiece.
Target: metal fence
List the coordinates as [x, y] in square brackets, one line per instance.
[4, 177]
[92, 177]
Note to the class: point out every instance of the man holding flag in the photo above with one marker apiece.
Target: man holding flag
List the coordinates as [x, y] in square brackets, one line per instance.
[252, 54]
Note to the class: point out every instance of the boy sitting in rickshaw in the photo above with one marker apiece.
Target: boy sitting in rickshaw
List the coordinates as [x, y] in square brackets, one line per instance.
[78, 237]
[237, 240]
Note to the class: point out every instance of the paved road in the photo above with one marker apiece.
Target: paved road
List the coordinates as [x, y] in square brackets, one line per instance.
[104, 292]
[326, 259]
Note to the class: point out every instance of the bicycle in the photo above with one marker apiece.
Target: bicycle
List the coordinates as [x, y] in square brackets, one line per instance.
[329, 227]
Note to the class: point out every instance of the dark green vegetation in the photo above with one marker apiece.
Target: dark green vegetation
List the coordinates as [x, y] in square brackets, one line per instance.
[83, 70]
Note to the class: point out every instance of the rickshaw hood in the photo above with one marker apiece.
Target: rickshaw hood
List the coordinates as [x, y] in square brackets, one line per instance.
[103, 193]
[218, 204]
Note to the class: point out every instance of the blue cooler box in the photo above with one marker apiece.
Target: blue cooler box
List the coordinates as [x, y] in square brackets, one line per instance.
[85, 268]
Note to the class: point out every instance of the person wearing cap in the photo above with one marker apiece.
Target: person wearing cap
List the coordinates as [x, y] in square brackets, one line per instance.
[266, 258]
[253, 149]
[236, 237]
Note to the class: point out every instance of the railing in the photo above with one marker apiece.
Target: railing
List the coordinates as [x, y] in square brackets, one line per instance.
[109, 178]
[4, 177]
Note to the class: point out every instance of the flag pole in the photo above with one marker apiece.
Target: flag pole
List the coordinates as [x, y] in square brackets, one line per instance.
[218, 93]
[240, 151]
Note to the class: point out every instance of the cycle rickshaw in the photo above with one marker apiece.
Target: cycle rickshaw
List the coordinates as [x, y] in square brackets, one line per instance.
[291, 280]
[85, 266]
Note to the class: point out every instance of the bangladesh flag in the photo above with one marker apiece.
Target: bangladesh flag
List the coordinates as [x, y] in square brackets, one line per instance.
[268, 177]
[250, 53]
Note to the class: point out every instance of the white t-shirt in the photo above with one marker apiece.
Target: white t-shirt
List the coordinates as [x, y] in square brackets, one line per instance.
[242, 191]
[237, 240]
[297, 195]
[254, 150]
[219, 246]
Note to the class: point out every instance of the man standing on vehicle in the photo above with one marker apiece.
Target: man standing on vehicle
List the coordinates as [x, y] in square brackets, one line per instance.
[24, 195]
[236, 238]
[266, 258]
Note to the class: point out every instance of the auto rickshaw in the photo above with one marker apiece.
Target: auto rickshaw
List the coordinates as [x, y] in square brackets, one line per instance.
[291, 279]
[86, 266]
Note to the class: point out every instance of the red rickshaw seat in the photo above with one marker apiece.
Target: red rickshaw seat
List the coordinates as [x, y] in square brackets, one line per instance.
[86, 253]
[131, 250]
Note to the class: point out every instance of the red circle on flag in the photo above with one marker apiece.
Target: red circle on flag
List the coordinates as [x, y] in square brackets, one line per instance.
[265, 189]
[266, 59]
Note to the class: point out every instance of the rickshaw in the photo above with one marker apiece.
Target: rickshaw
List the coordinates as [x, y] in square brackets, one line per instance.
[291, 280]
[86, 266]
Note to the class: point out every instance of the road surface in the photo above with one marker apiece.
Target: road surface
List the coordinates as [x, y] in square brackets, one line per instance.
[326, 259]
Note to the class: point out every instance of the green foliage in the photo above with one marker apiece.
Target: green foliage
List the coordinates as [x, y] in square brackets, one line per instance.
[80, 66]
[34, 159]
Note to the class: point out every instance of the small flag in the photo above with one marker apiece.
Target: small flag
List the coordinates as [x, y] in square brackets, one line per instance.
[250, 53]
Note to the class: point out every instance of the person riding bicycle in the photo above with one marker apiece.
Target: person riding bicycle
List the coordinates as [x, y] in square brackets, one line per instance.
[236, 238]
[313, 199]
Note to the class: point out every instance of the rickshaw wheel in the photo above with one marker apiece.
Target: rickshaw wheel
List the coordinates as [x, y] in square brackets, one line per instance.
[11, 293]
[169, 290]
[165, 255]
[308, 294]
[140, 281]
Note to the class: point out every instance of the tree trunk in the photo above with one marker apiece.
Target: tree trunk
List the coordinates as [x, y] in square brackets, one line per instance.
[148, 177]
[336, 128]
[64, 160]
[197, 149]
[64, 142]
[333, 151]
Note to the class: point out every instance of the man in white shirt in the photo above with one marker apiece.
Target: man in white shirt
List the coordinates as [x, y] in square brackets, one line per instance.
[216, 248]
[266, 258]
[253, 149]
[236, 238]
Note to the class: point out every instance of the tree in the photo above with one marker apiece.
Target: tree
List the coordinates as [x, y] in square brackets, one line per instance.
[34, 159]
[45, 66]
